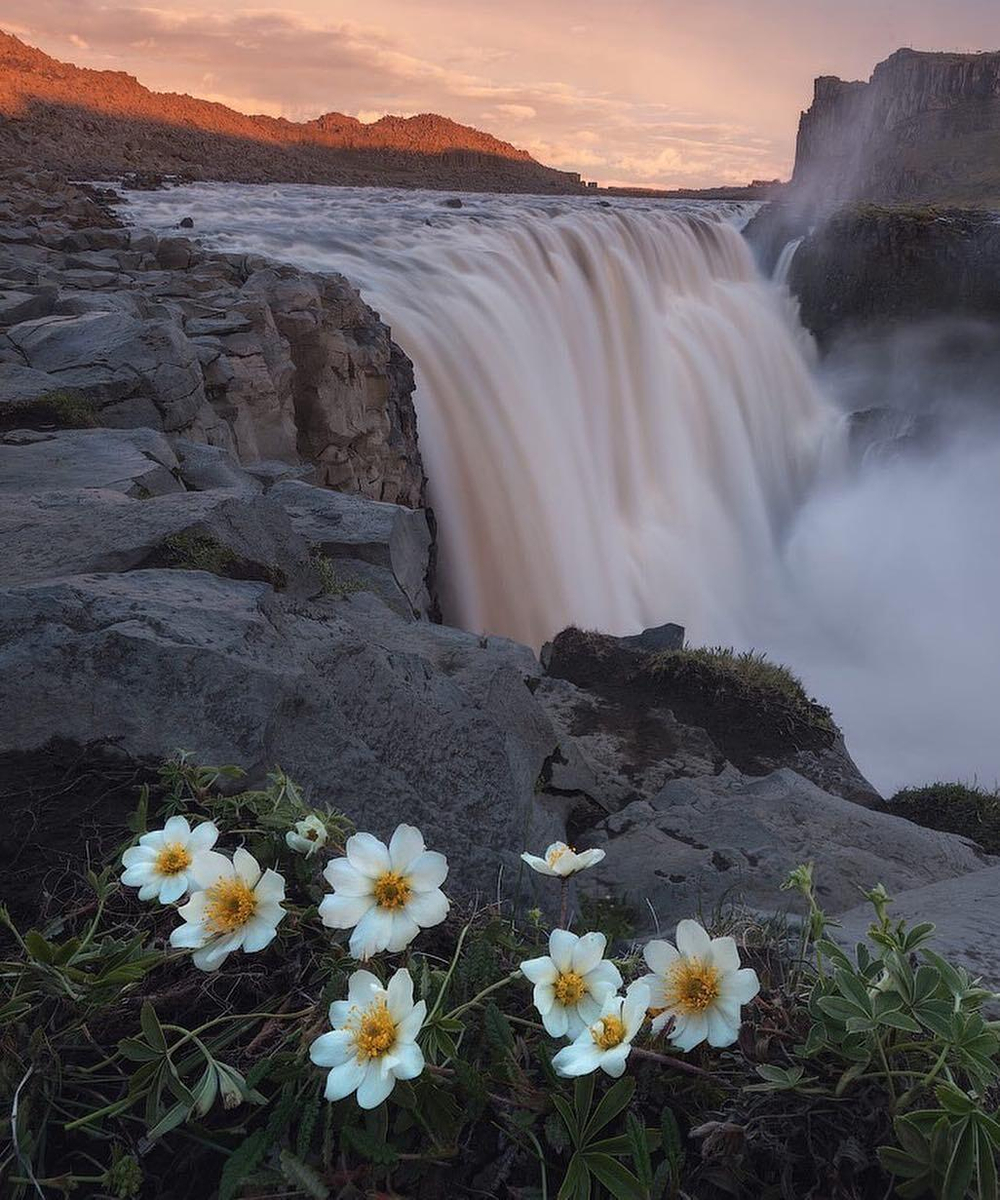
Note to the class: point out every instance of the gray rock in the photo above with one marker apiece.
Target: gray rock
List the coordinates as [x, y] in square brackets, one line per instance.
[55, 534]
[660, 637]
[702, 841]
[350, 527]
[137, 462]
[385, 720]
[116, 359]
[26, 305]
[20, 385]
[204, 468]
[965, 911]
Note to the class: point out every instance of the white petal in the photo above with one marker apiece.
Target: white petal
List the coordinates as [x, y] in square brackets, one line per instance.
[660, 1020]
[140, 873]
[399, 995]
[257, 934]
[409, 1061]
[613, 1060]
[270, 888]
[339, 1012]
[136, 856]
[406, 844]
[176, 829]
[375, 1086]
[150, 891]
[412, 1023]
[556, 1021]
[298, 843]
[580, 1058]
[561, 944]
[362, 988]
[209, 867]
[575, 1024]
[588, 952]
[427, 908]
[371, 934]
[368, 855]
[153, 841]
[660, 956]
[544, 997]
[172, 888]
[194, 910]
[689, 1031]
[188, 936]
[404, 930]
[720, 1031]
[588, 858]
[203, 837]
[724, 954]
[343, 912]
[214, 953]
[540, 970]
[246, 867]
[693, 941]
[344, 1079]
[589, 1008]
[347, 880]
[537, 864]
[605, 974]
[741, 985]
[427, 871]
[634, 1008]
[332, 1049]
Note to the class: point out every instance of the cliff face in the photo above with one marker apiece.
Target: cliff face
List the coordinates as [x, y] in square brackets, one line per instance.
[92, 124]
[926, 126]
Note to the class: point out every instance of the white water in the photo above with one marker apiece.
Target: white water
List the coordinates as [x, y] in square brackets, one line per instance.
[621, 426]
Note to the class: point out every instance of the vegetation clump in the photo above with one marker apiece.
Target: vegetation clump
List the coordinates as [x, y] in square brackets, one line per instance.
[127, 1071]
[959, 808]
[190, 550]
[331, 582]
[60, 409]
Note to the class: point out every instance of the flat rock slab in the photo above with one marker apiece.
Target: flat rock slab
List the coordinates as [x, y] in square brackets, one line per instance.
[702, 842]
[965, 911]
[138, 462]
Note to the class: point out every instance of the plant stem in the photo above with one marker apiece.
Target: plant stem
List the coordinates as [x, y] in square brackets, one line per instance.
[494, 987]
[451, 971]
[564, 911]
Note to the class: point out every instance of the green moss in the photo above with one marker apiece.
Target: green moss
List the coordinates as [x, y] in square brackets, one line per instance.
[331, 583]
[732, 673]
[959, 808]
[53, 410]
[190, 551]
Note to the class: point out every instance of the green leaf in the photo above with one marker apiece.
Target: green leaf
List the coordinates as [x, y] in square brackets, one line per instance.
[583, 1096]
[986, 1166]
[619, 1181]
[614, 1100]
[839, 1009]
[576, 1181]
[639, 1148]
[39, 949]
[565, 1110]
[854, 990]
[243, 1161]
[171, 1119]
[371, 1147]
[961, 1164]
[673, 1143]
[498, 1032]
[302, 1176]
[151, 1029]
[136, 1051]
[899, 1020]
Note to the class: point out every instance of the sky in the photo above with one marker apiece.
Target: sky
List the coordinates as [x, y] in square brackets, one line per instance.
[656, 93]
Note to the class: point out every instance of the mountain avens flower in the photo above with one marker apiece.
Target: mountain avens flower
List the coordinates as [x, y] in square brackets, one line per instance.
[308, 836]
[237, 908]
[374, 1039]
[160, 866]
[387, 893]
[700, 984]
[562, 861]
[572, 981]
[607, 1041]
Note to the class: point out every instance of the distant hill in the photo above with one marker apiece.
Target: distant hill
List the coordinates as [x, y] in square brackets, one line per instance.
[924, 129]
[97, 124]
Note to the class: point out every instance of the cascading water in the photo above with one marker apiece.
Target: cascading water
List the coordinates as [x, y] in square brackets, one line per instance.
[622, 425]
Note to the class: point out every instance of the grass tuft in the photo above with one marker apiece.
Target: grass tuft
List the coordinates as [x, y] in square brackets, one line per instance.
[959, 808]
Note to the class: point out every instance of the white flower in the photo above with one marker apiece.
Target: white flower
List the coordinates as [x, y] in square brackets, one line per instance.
[238, 908]
[307, 837]
[160, 866]
[572, 982]
[374, 1039]
[700, 984]
[388, 893]
[607, 1041]
[561, 860]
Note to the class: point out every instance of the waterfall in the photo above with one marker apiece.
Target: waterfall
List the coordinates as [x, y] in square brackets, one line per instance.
[622, 425]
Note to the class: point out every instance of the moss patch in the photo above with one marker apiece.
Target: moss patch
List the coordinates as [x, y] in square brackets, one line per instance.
[331, 582]
[972, 812]
[193, 551]
[53, 410]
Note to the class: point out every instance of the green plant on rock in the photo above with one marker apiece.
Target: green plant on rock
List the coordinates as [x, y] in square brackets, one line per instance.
[190, 551]
[59, 409]
[331, 582]
[959, 808]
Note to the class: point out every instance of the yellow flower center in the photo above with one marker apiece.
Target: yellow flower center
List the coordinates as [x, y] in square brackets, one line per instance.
[391, 890]
[376, 1034]
[230, 904]
[173, 859]
[570, 988]
[312, 833]
[692, 985]
[608, 1032]
[556, 853]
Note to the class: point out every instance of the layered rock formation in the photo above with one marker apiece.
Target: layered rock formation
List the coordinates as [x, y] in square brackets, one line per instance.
[98, 124]
[157, 592]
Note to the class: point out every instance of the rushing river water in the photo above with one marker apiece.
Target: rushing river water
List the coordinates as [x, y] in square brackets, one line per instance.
[622, 425]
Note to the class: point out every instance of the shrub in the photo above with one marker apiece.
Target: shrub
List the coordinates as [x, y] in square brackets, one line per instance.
[959, 808]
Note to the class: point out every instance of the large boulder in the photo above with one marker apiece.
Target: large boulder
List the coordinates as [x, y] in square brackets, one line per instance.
[137, 462]
[704, 841]
[387, 720]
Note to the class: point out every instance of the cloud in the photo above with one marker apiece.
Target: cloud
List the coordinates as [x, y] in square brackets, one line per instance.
[517, 112]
